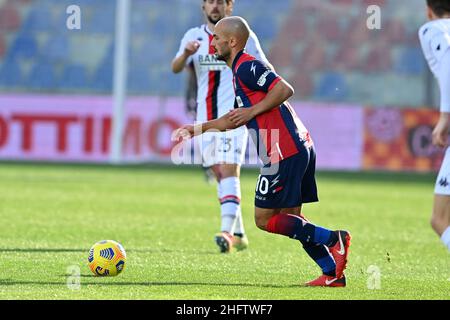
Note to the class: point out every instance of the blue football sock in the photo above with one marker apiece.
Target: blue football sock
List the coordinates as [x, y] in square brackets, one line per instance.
[320, 254]
[297, 228]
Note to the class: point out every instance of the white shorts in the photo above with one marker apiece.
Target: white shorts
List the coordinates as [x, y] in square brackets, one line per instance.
[443, 179]
[223, 147]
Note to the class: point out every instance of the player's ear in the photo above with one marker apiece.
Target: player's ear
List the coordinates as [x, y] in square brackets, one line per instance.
[232, 42]
[430, 13]
[229, 9]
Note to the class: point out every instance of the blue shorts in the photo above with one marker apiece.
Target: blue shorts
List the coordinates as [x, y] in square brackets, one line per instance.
[291, 185]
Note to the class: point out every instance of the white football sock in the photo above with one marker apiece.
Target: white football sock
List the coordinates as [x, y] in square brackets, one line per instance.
[219, 190]
[227, 221]
[230, 200]
[239, 226]
[446, 238]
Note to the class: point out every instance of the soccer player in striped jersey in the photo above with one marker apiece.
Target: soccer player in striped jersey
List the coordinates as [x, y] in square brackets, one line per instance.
[435, 40]
[284, 146]
[224, 152]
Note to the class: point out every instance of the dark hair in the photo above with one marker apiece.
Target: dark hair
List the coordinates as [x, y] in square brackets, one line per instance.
[439, 7]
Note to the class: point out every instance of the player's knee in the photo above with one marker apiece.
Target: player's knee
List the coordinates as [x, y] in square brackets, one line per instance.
[261, 222]
[437, 223]
[227, 171]
[217, 172]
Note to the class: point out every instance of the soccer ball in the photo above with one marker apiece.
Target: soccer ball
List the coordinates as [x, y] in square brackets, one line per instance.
[107, 258]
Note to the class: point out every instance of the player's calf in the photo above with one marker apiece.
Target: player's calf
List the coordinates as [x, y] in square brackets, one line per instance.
[440, 220]
[439, 224]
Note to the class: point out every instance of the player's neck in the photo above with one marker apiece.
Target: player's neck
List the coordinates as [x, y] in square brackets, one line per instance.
[433, 16]
[210, 26]
[445, 16]
[231, 58]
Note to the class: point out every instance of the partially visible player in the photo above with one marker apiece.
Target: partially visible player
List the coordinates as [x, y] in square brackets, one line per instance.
[191, 110]
[435, 40]
[285, 147]
[191, 91]
[223, 152]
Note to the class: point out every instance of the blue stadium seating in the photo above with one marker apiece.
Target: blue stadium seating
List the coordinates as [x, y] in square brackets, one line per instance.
[108, 58]
[175, 83]
[143, 56]
[332, 86]
[74, 77]
[39, 19]
[42, 76]
[410, 61]
[158, 25]
[24, 46]
[57, 48]
[139, 80]
[280, 6]
[163, 27]
[152, 53]
[103, 20]
[265, 28]
[10, 74]
[103, 78]
[140, 22]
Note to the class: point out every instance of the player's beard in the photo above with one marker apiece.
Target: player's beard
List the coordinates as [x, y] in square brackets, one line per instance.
[222, 57]
[214, 21]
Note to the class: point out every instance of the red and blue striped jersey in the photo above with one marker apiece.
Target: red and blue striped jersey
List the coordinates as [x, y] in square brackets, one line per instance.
[278, 134]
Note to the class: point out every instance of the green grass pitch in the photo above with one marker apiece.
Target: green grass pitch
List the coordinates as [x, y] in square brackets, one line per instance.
[166, 219]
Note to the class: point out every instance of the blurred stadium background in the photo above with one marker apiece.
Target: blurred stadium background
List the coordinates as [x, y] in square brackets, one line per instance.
[366, 95]
[322, 47]
[317, 45]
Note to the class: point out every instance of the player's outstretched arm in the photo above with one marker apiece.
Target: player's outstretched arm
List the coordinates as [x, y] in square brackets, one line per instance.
[179, 62]
[440, 132]
[188, 131]
[274, 98]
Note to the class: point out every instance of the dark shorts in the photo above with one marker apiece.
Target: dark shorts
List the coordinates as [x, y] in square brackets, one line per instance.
[291, 185]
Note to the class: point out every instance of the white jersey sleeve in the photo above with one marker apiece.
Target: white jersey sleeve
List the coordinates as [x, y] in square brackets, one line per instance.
[253, 48]
[435, 41]
[188, 36]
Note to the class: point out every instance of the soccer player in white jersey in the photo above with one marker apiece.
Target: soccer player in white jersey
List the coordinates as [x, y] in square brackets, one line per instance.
[224, 152]
[435, 40]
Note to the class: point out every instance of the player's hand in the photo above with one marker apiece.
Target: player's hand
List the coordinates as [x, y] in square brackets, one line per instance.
[241, 116]
[184, 133]
[440, 132]
[191, 47]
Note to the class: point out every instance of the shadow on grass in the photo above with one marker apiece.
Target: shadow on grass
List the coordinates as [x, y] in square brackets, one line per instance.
[350, 176]
[63, 250]
[378, 177]
[11, 282]
[42, 250]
